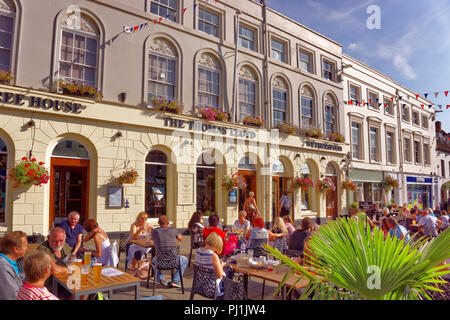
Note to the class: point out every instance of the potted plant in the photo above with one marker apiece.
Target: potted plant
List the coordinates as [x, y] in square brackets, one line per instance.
[128, 177]
[336, 137]
[389, 183]
[325, 185]
[254, 122]
[354, 208]
[303, 183]
[286, 128]
[312, 133]
[28, 172]
[348, 185]
[211, 114]
[234, 182]
[166, 105]
[6, 77]
[79, 89]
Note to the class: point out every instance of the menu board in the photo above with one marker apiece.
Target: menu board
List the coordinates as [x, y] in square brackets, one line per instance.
[365, 205]
[185, 188]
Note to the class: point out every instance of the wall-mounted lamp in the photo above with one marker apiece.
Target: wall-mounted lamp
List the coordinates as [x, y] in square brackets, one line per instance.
[322, 159]
[297, 156]
[122, 97]
[118, 135]
[30, 124]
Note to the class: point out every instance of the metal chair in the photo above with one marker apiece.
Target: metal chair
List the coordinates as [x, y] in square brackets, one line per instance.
[233, 290]
[204, 283]
[257, 246]
[167, 258]
[123, 236]
[280, 244]
[294, 253]
[194, 245]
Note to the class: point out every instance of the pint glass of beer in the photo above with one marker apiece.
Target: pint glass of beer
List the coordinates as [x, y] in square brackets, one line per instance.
[87, 258]
[77, 262]
[97, 273]
[84, 275]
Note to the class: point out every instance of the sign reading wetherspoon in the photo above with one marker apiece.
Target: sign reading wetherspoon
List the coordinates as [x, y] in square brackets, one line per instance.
[39, 102]
[324, 146]
[203, 127]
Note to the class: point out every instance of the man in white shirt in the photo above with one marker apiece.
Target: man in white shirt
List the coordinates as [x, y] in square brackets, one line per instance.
[285, 202]
[429, 224]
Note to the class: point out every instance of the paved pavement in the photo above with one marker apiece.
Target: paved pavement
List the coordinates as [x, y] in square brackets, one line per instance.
[254, 286]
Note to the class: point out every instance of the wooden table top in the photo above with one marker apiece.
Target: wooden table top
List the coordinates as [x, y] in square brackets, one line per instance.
[105, 282]
[276, 275]
[143, 243]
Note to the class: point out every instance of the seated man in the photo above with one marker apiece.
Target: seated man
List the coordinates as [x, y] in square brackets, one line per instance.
[166, 236]
[57, 248]
[37, 268]
[12, 247]
[72, 228]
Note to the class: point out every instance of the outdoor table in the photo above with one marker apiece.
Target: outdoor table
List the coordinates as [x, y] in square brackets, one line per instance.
[143, 243]
[413, 227]
[276, 276]
[107, 284]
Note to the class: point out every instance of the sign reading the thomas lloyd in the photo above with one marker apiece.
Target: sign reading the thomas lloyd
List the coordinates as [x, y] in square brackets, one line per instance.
[39, 102]
[323, 146]
[203, 127]
[185, 188]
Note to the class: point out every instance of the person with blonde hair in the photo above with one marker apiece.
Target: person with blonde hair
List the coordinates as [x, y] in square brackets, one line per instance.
[207, 257]
[37, 268]
[242, 223]
[250, 207]
[279, 227]
[289, 225]
[140, 229]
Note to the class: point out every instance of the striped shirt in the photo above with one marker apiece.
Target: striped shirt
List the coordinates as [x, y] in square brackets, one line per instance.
[27, 292]
[203, 258]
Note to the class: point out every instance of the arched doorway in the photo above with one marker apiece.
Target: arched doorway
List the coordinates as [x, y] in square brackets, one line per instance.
[247, 169]
[281, 184]
[156, 183]
[206, 183]
[307, 196]
[331, 196]
[69, 181]
[3, 174]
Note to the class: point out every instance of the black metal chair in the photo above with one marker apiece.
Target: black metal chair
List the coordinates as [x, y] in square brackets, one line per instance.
[204, 283]
[292, 253]
[280, 244]
[194, 245]
[123, 236]
[167, 258]
[233, 290]
[257, 246]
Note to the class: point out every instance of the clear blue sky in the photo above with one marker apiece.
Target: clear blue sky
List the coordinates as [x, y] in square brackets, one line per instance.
[412, 46]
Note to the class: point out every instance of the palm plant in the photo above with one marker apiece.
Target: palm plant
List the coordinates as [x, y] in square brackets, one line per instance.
[352, 262]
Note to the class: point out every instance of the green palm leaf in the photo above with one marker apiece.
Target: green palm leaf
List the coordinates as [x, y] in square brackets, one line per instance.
[348, 255]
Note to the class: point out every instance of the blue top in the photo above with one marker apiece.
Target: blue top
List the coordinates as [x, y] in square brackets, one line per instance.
[12, 263]
[398, 231]
[71, 234]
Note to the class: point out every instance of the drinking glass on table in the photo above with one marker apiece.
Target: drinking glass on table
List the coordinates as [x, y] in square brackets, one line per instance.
[87, 258]
[84, 275]
[77, 262]
[97, 273]
[250, 253]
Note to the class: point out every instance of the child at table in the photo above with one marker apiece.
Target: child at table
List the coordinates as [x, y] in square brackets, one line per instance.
[37, 269]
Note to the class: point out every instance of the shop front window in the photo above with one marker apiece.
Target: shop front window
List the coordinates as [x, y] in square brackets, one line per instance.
[3, 174]
[206, 183]
[156, 184]
[419, 195]
[305, 172]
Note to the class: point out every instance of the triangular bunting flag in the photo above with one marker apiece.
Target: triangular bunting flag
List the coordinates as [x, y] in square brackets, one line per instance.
[392, 98]
[436, 94]
[429, 106]
[446, 93]
[184, 10]
[422, 106]
[154, 21]
[440, 106]
[370, 100]
[448, 106]
[417, 96]
[400, 97]
[350, 102]
[378, 99]
[426, 95]
[135, 29]
[160, 20]
[357, 103]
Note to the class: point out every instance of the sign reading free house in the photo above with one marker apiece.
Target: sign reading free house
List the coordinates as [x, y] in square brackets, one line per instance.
[39, 102]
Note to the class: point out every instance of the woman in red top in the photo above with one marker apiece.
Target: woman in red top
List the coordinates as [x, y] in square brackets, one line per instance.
[213, 221]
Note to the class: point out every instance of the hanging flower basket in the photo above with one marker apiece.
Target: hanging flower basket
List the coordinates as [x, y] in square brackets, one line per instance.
[336, 137]
[211, 114]
[389, 183]
[28, 172]
[254, 122]
[325, 185]
[161, 104]
[127, 177]
[79, 89]
[303, 183]
[348, 185]
[234, 182]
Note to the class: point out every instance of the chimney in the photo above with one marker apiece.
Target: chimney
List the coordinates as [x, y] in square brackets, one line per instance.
[438, 126]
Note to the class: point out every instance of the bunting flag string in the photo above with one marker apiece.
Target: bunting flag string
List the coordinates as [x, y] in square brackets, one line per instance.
[134, 29]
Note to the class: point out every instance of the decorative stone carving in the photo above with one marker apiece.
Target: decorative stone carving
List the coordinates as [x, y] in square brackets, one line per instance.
[7, 5]
[279, 83]
[162, 46]
[329, 100]
[306, 92]
[246, 73]
[76, 21]
[208, 61]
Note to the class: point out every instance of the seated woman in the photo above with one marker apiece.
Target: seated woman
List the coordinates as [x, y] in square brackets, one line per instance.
[102, 245]
[259, 235]
[195, 228]
[213, 222]
[289, 224]
[242, 225]
[207, 257]
[140, 229]
[279, 227]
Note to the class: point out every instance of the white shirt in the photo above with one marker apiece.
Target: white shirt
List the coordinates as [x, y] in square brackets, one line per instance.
[285, 201]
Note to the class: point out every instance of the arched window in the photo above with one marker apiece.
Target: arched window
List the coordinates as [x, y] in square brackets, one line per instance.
[156, 183]
[206, 182]
[247, 93]
[78, 50]
[3, 174]
[307, 108]
[279, 101]
[306, 172]
[162, 73]
[70, 149]
[331, 170]
[209, 81]
[330, 115]
[7, 18]
[246, 164]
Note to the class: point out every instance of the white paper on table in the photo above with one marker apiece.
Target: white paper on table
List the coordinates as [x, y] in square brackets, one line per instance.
[111, 272]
